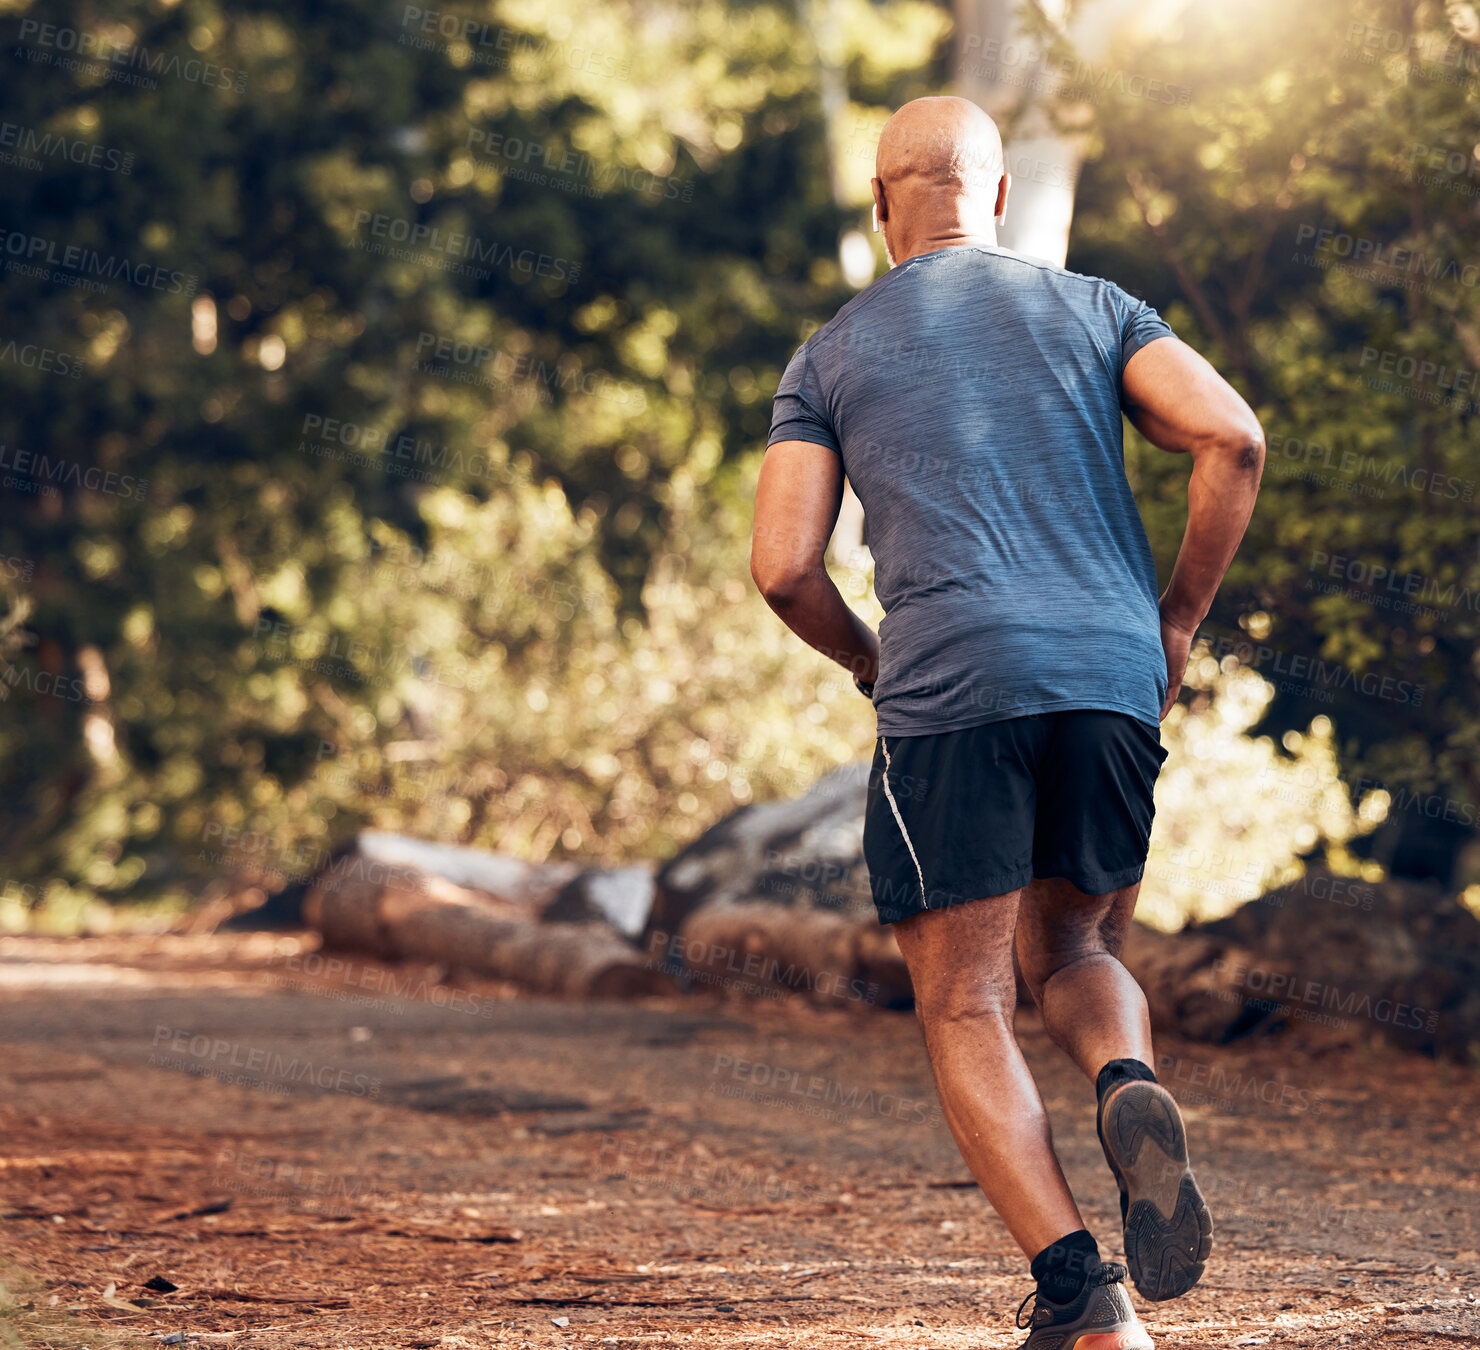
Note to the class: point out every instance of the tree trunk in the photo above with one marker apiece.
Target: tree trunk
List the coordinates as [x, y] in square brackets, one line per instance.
[768, 950]
[1000, 66]
[524, 886]
[420, 916]
[804, 852]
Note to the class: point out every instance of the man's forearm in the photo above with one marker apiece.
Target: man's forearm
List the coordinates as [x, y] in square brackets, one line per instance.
[814, 609]
[1220, 500]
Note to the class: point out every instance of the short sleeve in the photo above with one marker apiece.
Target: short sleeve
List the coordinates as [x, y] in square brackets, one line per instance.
[1139, 325]
[799, 412]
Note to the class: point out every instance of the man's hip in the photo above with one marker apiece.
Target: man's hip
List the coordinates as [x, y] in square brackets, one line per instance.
[965, 814]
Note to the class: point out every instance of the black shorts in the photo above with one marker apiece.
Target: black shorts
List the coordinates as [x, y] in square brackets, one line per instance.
[967, 814]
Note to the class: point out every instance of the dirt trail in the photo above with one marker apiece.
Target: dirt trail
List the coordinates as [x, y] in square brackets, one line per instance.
[337, 1160]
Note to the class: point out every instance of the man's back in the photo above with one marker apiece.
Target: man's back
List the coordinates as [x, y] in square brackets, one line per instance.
[975, 398]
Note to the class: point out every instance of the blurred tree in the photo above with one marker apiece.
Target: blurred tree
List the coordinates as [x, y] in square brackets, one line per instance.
[348, 274]
[1307, 223]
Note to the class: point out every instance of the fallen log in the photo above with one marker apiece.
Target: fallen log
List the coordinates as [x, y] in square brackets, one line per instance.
[806, 852]
[523, 887]
[1399, 957]
[1191, 984]
[421, 916]
[620, 896]
[774, 899]
[768, 949]
[1191, 980]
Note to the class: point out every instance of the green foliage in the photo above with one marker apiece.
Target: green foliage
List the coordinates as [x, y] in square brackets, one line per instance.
[1362, 553]
[392, 527]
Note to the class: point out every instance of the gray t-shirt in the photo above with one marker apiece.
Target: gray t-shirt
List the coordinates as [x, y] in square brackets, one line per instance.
[975, 398]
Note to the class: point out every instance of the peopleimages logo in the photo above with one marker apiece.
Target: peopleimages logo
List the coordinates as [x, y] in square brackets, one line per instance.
[1335, 248]
[370, 447]
[48, 39]
[1448, 165]
[1285, 991]
[1422, 381]
[1313, 676]
[200, 1055]
[695, 1174]
[1426, 590]
[47, 360]
[33, 255]
[17, 569]
[1433, 805]
[1450, 379]
[1225, 1086]
[445, 358]
[1070, 75]
[433, 29]
[1310, 458]
[454, 244]
[69, 689]
[331, 652]
[396, 990]
[31, 472]
[789, 1088]
[283, 1178]
[580, 171]
[712, 963]
[22, 145]
[1425, 55]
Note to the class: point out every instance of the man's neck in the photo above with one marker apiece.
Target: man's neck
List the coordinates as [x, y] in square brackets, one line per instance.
[938, 239]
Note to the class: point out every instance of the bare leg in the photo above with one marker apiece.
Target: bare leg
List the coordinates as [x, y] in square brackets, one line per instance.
[1068, 947]
[960, 962]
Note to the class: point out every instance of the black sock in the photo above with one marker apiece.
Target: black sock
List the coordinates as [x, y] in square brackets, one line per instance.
[1119, 1071]
[1062, 1267]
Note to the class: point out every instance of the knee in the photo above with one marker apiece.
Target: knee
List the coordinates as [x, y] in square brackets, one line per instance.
[960, 1005]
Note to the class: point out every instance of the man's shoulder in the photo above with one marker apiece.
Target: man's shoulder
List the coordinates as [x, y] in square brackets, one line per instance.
[839, 324]
[871, 307]
[993, 265]
[1082, 284]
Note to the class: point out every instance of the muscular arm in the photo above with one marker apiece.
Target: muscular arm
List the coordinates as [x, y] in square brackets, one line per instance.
[796, 507]
[1181, 404]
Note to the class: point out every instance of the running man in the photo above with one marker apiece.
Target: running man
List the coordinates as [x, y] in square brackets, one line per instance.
[973, 398]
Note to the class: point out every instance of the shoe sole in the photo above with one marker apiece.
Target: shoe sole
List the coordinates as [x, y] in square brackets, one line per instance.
[1113, 1340]
[1168, 1229]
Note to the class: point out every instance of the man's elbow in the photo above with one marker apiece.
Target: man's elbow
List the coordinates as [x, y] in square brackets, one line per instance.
[1241, 447]
[1251, 451]
[782, 583]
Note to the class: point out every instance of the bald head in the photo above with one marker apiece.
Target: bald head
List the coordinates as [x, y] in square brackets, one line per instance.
[948, 144]
[939, 176]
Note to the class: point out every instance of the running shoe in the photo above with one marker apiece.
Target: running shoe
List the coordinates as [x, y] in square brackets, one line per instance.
[1100, 1318]
[1168, 1230]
